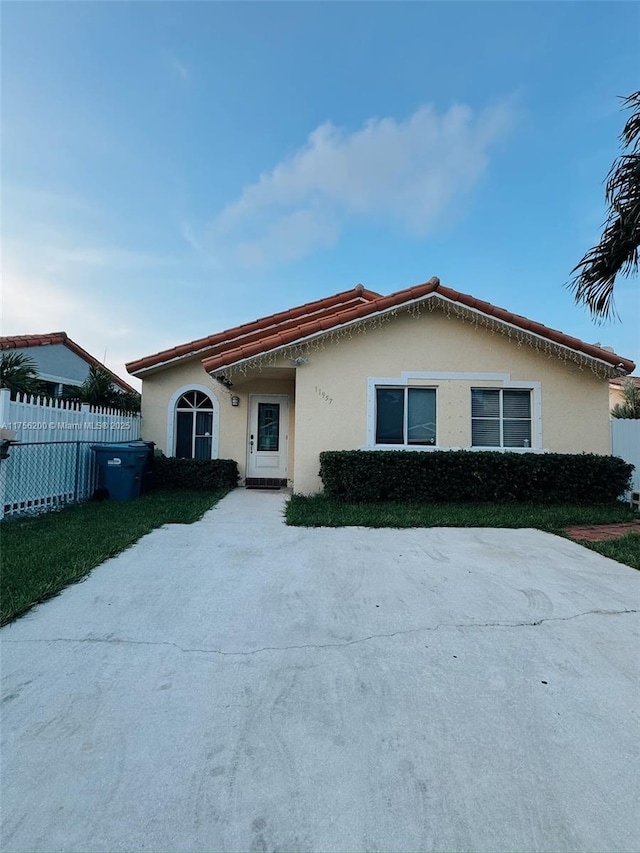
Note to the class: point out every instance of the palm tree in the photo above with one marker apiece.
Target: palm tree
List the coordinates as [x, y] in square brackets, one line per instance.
[617, 251]
[98, 390]
[19, 373]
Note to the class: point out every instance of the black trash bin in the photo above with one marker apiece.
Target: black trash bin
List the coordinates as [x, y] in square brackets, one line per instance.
[120, 468]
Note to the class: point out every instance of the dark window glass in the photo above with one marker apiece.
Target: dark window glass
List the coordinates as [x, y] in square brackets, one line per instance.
[194, 426]
[390, 416]
[203, 447]
[204, 423]
[184, 430]
[268, 426]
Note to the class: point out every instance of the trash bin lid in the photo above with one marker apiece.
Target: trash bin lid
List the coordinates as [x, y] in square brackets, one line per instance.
[128, 447]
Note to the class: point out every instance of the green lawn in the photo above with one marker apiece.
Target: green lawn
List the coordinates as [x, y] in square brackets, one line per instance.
[319, 511]
[625, 550]
[41, 555]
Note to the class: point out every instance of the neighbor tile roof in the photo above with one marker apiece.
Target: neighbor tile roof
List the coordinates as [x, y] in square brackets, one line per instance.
[25, 341]
[620, 380]
[248, 341]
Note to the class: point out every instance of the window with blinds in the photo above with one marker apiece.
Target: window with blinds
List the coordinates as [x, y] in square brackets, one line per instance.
[405, 416]
[500, 417]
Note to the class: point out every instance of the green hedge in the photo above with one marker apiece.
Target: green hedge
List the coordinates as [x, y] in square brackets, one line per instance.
[466, 476]
[206, 475]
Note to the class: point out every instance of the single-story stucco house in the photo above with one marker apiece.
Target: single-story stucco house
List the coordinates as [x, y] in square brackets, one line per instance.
[426, 368]
[62, 364]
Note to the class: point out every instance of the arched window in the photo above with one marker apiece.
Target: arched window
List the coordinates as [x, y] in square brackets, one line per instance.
[194, 426]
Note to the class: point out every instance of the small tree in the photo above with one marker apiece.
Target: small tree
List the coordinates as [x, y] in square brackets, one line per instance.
[630, 406]
[98, 390]
[19, 373]
[129, 401]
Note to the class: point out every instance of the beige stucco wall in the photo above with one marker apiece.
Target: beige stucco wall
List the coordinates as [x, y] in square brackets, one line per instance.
[328, 395]
[159, 388]
[574, 402]
[615, 396]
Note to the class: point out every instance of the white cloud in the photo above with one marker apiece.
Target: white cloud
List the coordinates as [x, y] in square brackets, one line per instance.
[190, 237]
[402, 173]
[180, 69]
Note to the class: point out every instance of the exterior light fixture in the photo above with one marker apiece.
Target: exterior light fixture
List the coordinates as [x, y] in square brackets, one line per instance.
[235, 401]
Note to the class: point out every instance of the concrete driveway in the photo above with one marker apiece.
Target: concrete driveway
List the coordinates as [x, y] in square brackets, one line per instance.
[239, 685]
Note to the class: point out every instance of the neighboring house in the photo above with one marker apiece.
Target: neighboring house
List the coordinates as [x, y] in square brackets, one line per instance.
[61, 362]
[615, 388]
[425, 368]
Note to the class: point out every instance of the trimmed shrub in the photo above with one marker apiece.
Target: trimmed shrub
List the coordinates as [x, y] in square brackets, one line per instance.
[205, 475]
[462, 476]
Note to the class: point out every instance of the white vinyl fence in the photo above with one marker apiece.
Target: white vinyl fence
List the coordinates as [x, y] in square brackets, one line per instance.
[625, 442]
[43, 419]
[51, 463]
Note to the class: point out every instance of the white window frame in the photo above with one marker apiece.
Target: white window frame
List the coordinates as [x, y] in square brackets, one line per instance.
[498, 380]
[500, 419]
[405, 416]
[172, 416]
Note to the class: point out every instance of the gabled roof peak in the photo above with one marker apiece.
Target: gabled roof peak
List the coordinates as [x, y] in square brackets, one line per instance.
[257, 328]
[252, 340]
[8, 342]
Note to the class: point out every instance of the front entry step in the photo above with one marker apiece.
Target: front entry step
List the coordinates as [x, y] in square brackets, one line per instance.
[265, 483]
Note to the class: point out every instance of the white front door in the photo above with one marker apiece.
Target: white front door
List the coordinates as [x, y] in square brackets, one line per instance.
[268, 436]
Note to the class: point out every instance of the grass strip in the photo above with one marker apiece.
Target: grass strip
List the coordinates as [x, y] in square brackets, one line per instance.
[625, 549]
[42, 555]
[320, 511]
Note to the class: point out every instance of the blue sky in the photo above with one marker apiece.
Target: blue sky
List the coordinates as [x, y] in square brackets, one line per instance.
[172, 169]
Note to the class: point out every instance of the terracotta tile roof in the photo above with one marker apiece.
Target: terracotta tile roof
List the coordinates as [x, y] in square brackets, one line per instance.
[234, 351]
[258, 330]
[25, 341]
[619, 381]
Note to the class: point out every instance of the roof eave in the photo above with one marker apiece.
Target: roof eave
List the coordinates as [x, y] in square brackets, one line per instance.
[613, 364]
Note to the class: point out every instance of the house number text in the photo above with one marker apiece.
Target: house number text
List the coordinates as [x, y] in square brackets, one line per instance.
[324, 395]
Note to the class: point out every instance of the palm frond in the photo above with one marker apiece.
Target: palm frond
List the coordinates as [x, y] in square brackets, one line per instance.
[630, 135]
[617, 252]
[19, 373]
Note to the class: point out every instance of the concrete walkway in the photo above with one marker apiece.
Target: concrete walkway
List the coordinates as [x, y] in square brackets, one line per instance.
[239, 685]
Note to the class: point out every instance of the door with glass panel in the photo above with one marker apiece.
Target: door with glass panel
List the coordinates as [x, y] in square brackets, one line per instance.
[268, 436]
